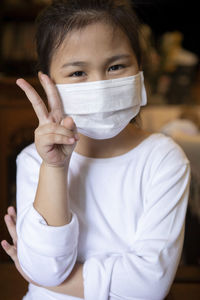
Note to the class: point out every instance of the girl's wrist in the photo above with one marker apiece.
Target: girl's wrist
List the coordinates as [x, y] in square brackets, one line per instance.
[52, 199]
[62, 166]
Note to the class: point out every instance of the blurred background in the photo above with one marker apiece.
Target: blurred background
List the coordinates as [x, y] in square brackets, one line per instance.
[171, 44]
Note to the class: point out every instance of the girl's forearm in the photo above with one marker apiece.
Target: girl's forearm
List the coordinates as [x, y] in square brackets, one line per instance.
[52, 200]
[73, 285]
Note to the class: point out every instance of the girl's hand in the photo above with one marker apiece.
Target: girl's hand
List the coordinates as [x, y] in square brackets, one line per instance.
[56, 135]
[11, 250]
[71, 286]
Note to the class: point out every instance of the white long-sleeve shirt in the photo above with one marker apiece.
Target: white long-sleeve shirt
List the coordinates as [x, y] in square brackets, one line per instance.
[127, 226]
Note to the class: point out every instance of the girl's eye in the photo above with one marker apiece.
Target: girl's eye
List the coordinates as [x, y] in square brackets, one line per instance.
[116, 67]
[77, 74]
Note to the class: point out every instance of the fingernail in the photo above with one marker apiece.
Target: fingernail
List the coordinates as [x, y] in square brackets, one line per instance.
[18, 82]
[10, 208]
[40, 73]
[77, 136]
[72, 140]
[4, 244]
[8, 217]
[42, 76]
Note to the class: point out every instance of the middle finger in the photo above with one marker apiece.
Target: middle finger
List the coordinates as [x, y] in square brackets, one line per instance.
[54, 101]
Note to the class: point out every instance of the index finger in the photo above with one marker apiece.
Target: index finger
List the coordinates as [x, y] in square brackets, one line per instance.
[37, 103]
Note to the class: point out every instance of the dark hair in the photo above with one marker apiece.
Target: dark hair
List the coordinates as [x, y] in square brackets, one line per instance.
[63, 16]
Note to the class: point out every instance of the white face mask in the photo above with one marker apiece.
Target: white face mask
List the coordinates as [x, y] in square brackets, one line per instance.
[102, 109]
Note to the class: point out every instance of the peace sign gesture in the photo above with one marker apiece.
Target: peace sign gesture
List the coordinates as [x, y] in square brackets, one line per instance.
[56, 135]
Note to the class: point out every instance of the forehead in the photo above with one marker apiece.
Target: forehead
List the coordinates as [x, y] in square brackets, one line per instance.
[95, 39]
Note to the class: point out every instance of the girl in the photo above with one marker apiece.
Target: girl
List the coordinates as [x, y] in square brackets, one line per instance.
[101, 203]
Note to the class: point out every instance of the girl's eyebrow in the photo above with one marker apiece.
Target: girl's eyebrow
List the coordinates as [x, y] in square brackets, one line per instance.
[83, 63]
[74, 63]
[117, 57]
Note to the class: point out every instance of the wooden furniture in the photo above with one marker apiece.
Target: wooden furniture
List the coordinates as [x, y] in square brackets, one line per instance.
[17, 31]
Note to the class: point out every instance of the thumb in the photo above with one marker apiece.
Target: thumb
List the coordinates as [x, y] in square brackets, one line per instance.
[69, 123]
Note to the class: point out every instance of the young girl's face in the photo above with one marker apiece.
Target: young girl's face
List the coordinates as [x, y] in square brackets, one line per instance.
[94, 53]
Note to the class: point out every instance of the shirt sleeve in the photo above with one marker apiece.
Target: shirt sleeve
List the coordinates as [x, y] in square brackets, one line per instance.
[147, 270]
[47, 254]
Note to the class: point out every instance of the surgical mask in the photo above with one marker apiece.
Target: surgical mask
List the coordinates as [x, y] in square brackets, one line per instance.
[102, 109]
